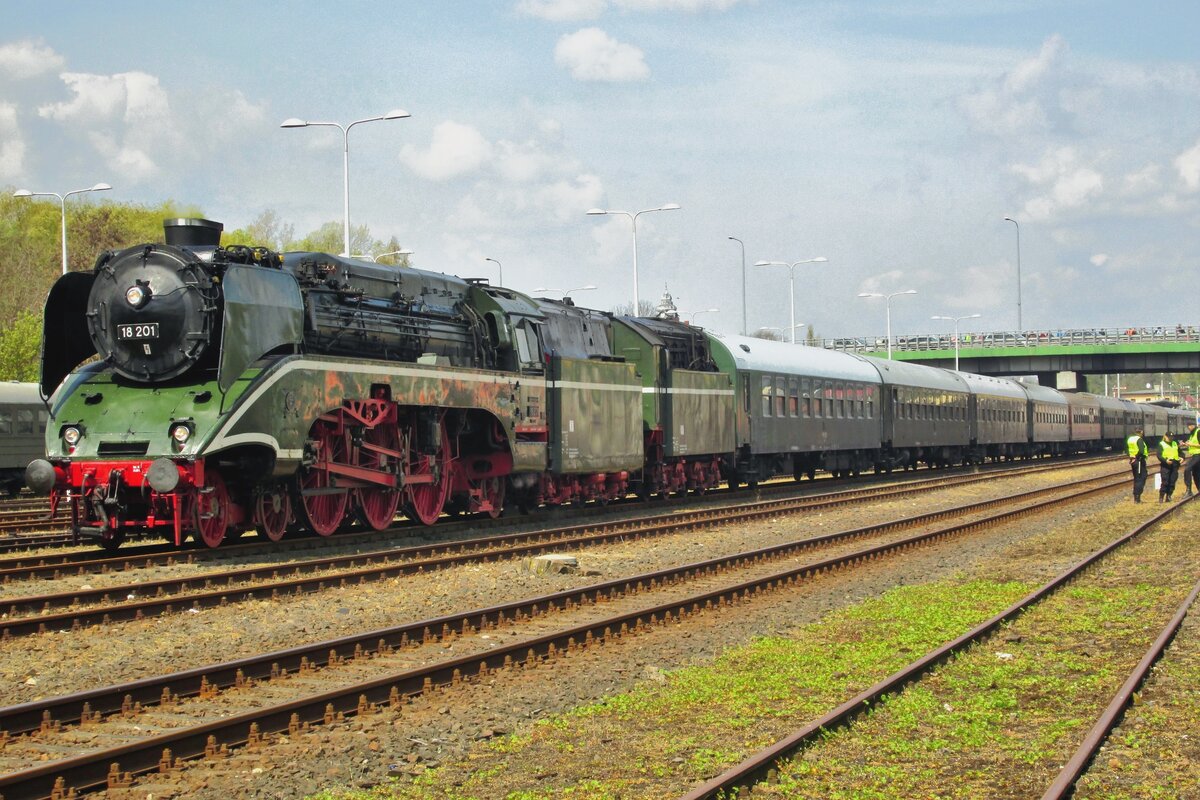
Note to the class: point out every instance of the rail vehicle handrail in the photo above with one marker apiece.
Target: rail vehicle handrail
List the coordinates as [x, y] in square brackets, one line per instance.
[1047, 337]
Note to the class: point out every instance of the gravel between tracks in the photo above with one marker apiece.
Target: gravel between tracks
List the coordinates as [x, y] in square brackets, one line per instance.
[446, 724]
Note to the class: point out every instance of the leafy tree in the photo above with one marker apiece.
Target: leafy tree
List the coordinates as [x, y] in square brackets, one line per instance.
[267, 230]
[770, 334]
[19, 348]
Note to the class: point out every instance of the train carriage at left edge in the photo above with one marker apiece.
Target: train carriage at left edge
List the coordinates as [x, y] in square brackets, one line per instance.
[224, 389]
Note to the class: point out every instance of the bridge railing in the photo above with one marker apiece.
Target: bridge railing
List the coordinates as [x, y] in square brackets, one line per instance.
[1036, 338]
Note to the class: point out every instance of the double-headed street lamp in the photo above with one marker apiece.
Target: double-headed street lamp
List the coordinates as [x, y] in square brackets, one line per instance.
[792, 281]
[499, 268]
[957, 320]
[691, 315]
[62, 201]
[888, 303]
[1020, 327]
[564, 292]
[743, 244]
[633, 215]
[293, 122]
[403, 252]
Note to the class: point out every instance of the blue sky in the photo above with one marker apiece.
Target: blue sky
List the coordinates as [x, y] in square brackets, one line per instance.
[892, 138]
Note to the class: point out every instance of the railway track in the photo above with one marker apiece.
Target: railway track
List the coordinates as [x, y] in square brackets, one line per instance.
[762, 765]
[383, 667]
[24, 567]
[40, 613]
[27, 535]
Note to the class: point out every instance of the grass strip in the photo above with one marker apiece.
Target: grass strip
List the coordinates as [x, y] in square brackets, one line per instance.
[701, 720]
[1000, 719]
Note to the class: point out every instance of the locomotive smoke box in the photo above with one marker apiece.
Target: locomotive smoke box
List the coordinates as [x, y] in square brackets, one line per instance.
[194, 232]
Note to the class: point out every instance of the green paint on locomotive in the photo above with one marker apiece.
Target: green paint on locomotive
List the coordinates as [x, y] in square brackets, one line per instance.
[279, 409]
[698, 413]
[596, 419]
[122, 420]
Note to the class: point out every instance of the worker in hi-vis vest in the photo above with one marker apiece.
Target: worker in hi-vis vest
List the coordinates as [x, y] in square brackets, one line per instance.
[1136, 446]
[1191, 468]
[1168, 459]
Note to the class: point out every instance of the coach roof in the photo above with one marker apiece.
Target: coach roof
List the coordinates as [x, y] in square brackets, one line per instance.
[764, 355]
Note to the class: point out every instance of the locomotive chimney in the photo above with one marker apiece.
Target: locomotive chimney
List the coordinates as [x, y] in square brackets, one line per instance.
[192, 232]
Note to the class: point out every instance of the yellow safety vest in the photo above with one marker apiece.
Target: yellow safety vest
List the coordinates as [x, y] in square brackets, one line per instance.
[1168, 451]
[1193, 442]
[1136, 446]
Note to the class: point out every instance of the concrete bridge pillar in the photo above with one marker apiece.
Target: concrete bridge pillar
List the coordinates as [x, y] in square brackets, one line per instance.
[1067, 381]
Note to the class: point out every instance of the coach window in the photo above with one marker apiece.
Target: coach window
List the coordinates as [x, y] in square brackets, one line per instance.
[780, 398]
[24, 421]
[5, 422]
[793, 398]
[766, 395]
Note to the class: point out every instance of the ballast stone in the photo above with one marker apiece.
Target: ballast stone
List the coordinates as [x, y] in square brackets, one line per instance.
[552, 562]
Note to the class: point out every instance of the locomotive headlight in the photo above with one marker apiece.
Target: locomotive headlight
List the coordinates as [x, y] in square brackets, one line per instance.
[181, 433]
[71, 435]
[137, 295]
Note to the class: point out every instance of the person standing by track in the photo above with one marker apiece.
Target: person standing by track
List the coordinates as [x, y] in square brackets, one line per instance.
[1191, 470]
[1168, 458]
[1136, 446]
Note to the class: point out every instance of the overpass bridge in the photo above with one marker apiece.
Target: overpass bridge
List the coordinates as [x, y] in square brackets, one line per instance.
[1059, 358]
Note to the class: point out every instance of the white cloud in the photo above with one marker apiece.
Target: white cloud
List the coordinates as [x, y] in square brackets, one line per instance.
[1064, 181]
[1024, 99]
[575, 10]
[454, 150]
[127, 161]
[127, 96]
[690, 6]
[12, 146]
[28, 59]
[562, 10]
[1099, 259]
[1188, 164]
[592, 55]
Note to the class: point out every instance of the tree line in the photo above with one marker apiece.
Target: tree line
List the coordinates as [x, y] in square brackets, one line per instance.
[31, 254]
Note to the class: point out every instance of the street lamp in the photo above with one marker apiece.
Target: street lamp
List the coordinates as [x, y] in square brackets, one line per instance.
[1020, 326]
[743, 244]
[792, 281]
[403, 252]
[888, 303]
[633, 218]
[499, 268]
[956, 320]
[693, 314]
[774, 328]
[564, 293]
[293, 122]
[62, 201]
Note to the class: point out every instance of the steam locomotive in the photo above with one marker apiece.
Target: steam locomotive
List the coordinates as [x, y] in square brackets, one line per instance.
[201, 391]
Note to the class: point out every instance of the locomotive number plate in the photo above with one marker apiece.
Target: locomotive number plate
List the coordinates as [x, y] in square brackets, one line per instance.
[144, 330]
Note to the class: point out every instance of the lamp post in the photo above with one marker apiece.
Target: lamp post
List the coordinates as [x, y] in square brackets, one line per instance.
[403, 252]
[293, 122]
[1020, 326]
[792, 281]
[633, 218]
[564, 293]
[774, 328]
[888, 304]
[743, 244]
[693, 314]
[956, 320]
[499, 268]
[62, 201]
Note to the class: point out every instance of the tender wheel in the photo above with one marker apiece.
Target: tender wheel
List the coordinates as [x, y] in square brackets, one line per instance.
[376, 507]
[494, 490]
[272, 513]
[323, 503]
[426, 500]
[211, 512]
